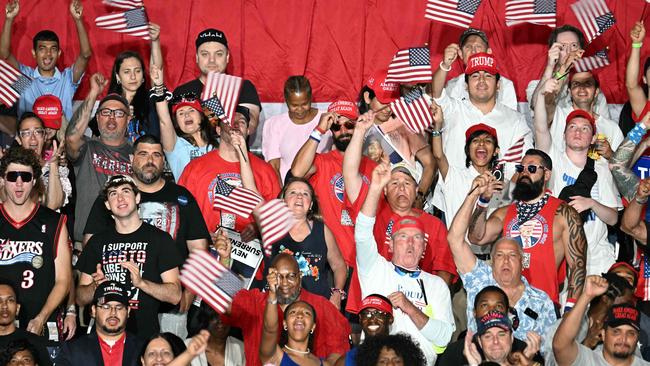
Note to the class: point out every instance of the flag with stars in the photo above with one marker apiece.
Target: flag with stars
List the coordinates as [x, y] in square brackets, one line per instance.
[598, 60]
[455, 12]
[238, 200]
[132, 22]
[540, 12]
[214, 105]
[275, 220]
[389, 232]
[12, 84]
[225, 88]
[411, 65]
[124, 4]
[646, 277]
[413, 110]
[594, 17]
[204, 275]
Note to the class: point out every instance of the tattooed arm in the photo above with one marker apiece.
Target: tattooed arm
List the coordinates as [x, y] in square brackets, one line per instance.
[625, 179]
[75, 131]
[575, 248]
[632, 222]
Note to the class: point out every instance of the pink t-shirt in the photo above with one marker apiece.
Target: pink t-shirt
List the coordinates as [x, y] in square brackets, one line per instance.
[282, 139]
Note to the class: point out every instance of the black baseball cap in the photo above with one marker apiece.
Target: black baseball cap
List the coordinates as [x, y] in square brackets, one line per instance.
[211, 35]
[110, 291]
[623, 314]
[473, 32]
[117, 97]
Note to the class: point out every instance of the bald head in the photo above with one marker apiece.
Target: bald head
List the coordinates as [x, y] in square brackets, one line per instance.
[285, 260]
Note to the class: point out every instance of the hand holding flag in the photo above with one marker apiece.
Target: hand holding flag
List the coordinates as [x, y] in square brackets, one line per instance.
[413, 110]
[238, 200]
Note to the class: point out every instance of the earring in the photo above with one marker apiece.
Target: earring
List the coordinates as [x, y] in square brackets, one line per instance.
[312, 331]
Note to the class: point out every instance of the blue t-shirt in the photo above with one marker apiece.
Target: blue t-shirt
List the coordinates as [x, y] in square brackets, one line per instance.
[60, 85]
[183, 153]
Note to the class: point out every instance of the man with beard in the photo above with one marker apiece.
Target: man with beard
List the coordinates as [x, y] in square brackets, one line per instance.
[593, 192]
[96, 159]
[165, 205]
[561, 241]
[247, 312]
[325, 173]
[110, 343]
[620, 334]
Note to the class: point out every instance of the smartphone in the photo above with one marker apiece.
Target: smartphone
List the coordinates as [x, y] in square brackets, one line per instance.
[497, 172]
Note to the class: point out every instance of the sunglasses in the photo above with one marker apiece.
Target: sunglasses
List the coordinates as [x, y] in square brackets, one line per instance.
[372, 313]
[348, 124]
[13, 176]
[532, 169]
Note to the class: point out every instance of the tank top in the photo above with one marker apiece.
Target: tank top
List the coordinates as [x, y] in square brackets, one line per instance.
[27, 253]
[536, 238]
[311, 255]
[287, 361]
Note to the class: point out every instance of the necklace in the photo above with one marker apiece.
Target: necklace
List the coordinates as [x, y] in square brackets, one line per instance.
[297, 351]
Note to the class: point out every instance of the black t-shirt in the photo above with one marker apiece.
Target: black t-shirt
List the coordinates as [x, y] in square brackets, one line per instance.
[172, 209]
[152, 250]
[39, 343]
[247, 95]
[453, 354]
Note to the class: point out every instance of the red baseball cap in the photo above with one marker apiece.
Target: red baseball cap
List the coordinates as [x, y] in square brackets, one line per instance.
[580, 113]
[385, 92]
[481, 127]
[48, 107]
[194, 103]
[344, 108]
[481, 62]
[405, 222]
[376, 302]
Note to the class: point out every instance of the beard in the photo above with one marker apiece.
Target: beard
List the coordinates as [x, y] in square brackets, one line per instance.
[113, 330]
[284, 300]
[147, 178]
[342, 145]
[527, 190]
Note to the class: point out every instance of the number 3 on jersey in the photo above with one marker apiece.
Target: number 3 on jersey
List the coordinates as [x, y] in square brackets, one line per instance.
[28, 279]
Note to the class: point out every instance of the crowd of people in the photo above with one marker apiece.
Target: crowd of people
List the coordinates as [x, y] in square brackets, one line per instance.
[491, 237]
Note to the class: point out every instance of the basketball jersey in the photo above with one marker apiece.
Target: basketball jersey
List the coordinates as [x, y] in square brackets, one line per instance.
[536, 238]
[27, 253]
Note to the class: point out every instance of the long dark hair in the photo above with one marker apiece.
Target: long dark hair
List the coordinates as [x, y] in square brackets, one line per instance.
[140, 100]
[403, 345]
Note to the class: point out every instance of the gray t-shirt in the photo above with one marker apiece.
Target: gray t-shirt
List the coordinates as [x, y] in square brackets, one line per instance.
[95, 164]
[588, 357]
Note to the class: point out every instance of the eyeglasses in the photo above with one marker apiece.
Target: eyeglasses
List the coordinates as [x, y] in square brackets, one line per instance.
[532, 169]
[372, 313]
[107, 112]
[118, 307]
[337, 126]
[573, 46]
[289, 277]
[13, 176]
[38, 132]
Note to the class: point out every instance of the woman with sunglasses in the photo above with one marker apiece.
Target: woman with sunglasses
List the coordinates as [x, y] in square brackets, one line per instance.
[376, 96]
[31, 135]
[296, 340]
[186, 134]
[312, 243]
[285, 133]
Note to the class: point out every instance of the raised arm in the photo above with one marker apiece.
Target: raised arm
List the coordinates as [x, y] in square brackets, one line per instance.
[622, 160]
[450, 55]
[303, 163]
[156, 58]
[481, 229]
[197, 346]
[74, 133]
[637, 97]
[85, 51]
[543, 138]
[11, 11]
[425, 157]
[565, 345]
[337, 264]
[632, 222]
[436, 140]
[245, 168]
[575, 248]
[269, 349]
[553, 56]
[353, 155]
[167, 132]
[54, 196]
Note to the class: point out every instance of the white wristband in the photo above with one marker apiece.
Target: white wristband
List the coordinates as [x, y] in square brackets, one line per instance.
[443, 68]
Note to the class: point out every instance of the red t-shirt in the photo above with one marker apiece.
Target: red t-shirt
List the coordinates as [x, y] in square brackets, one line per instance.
[200, 177]
[247, 312]
[112, 355]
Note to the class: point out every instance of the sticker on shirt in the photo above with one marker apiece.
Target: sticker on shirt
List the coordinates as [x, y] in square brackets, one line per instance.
[530, 233]
[338, 187]
[307, 262]
[228, 220]
[163, 215]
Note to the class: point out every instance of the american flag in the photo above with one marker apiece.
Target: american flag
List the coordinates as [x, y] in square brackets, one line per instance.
[133, 22]
[124, 4]
[515, 152]
[389, 233]
[594, 17]
[226, 89]
[275, 220]
[531, 11]
[413, 110]
[238, 200]
[411, 65]
[12, 84]
[205, 276]
[598, 60]
[454, 12]
[646, 278]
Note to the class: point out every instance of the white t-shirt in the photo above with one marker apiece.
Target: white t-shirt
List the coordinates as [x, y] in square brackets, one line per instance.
[601, 254]
[457, 88]
[603, 125]
[588, 357]
[515, 137]
[600, 107]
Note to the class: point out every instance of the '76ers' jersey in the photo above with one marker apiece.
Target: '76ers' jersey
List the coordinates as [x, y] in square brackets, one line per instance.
[27, 252]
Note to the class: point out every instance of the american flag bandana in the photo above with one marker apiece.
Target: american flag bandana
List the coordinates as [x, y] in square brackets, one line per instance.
[527, 211]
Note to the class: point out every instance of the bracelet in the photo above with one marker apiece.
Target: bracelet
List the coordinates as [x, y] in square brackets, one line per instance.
[436, 133]
[272, 302]
[636, 134]
[343, 294]
[482, 203]
[570, 303]
[640, 201]
[637, 44]
[560, 76]
[443, 68]
[316, 136]
[322, 132]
